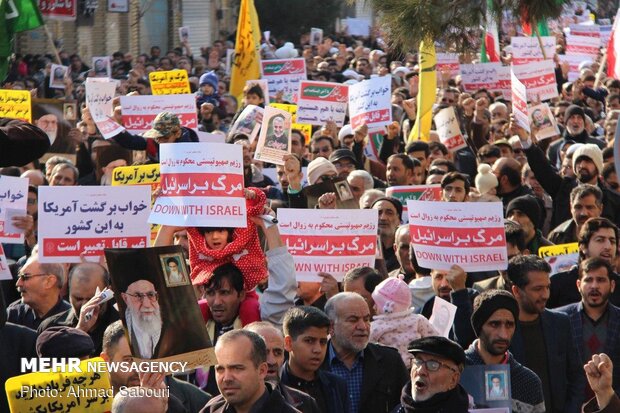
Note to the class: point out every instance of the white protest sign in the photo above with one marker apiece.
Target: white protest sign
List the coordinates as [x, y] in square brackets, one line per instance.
[357, 26]
[480, 76]
[76, 220]
[470, 234]
[544, 121]
[316, 36]
[539, 79]
[447, 62]
[99, 97]
[284, 75]
[320, 102]
[583, 45]
[527, 49]
[329, 240]
[5, 271]
[519, 103]
[370, 104]
[274, 141]
[211, 137]
[574, 60]
[605, 34]
[449, 130]
[590, 30]
[201, 185]
[248, 122]
[442, 316]
[13, 198]
[139, 112]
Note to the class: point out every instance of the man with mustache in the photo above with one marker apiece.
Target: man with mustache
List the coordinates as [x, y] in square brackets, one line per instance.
[375, 374]
[143, 318]
[598, 238]
[494, 319]
[586, 201]
[594, 319]
[542, 340]
[435, 374]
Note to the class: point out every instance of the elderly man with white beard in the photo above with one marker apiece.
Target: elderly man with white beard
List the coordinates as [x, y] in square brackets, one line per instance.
[143, 318]
[435, 374]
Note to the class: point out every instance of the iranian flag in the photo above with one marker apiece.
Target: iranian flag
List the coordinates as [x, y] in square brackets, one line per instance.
[489, 51]
[613, 50]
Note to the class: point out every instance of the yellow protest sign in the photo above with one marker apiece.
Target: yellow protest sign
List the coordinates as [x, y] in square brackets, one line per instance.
[305, 128]
[79, 390]
[136, 175]
[171, 82]
[139, 175]
[560, 249]
[15, 104]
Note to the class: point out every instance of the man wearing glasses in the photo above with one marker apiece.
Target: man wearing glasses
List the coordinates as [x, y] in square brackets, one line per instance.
[40, 286]
[435, 374]
[143, 318]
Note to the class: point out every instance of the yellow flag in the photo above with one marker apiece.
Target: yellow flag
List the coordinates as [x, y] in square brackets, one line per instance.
[247, 49]
[427, 93]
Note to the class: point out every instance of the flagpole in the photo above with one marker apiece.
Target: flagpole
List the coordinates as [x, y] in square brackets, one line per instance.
[601, 67]
[51, 39]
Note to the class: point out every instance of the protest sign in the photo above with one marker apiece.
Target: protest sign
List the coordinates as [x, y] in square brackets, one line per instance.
[274, 141]
[15, 104]
[83, 389]
[316, 36]
[320, 102]
[574, 60]
[470, 234]
[527, 49]
[447, 62]
[519, 104]
[561, 257]
[248, 122]
[583, 45]
[543, 120]
[58, 10]
[183, 34]
[102, 66]
[405, 193]
[57, 76]
[176, 330]
[99, 96]
[87, 219]
[263, 84]
[201, 185]
[284, 75]
[539, 79]
[490, 387]
[590, 30]
[605, 34]
[449, 130]
[339, 186]
[370, 104]
[492, 76]
[5, 271]
[139, 112]
[329, 240]
[357, 26]
[170, 82]
[215, 137]
[13, 200]
[442, 316]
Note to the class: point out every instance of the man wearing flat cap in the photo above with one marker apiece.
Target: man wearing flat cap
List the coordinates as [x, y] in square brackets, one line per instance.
[494, 320]
[435, 374]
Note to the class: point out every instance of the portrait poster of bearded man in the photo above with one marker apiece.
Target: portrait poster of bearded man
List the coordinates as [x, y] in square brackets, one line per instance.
[162, 320]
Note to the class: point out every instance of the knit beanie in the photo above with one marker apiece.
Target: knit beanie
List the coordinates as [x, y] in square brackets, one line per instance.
[485, 180]
[528, 204]
[392, 295]
[209, 78]
[591, 151]
[489, 302]
[574, 110]
[318, 168]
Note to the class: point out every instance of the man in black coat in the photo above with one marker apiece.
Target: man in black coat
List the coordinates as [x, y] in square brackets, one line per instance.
[374, 374]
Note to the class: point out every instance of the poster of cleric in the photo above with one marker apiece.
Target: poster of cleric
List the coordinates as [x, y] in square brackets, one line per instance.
[158, 306]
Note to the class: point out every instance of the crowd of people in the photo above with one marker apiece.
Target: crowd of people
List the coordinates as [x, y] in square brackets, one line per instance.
[365, 344]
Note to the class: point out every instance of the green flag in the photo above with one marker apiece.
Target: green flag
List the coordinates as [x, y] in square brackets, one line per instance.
[15, 16]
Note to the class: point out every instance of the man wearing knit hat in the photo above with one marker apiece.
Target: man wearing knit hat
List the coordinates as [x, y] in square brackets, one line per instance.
[527, 212]
[587, 160]
[494, 318]
[435, 374]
